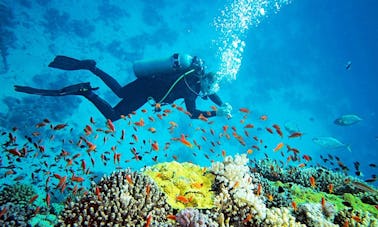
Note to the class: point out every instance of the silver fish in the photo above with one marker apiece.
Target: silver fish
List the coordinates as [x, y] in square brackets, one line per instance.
[330, 143]
[348, 119]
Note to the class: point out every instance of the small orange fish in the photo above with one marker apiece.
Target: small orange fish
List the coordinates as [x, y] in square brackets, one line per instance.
[295, 135]
[77, 179]
[203, 118]
[15, 151]
[249, 126]
[330, 188]
[182, 199]
[98, 193]
[155, 146]
[148, 220]
[148, 189]
[140, 122]
[152, 129]
[307, 157]
[244, 110]
[294, 205]
[248, 218]
[312, 182]
[269, 130]
[110, 125]
[263, 117]
[259, 189]
[323, 203]
[59, 126]
[3, 211]
[278, 147]
[356, 218]
[128, 178]
[48, 199]
[185, 141]
[32, 199]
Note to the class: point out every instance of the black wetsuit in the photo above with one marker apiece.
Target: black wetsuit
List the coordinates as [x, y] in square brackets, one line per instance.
[136, 94]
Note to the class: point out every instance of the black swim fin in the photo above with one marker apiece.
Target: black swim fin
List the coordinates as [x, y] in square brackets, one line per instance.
[77, 89]
[68, 63]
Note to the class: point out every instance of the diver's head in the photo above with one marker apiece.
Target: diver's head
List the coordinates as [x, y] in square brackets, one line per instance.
[209, 83]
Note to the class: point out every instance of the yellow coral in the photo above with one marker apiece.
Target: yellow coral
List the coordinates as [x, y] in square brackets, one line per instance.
[185, 184]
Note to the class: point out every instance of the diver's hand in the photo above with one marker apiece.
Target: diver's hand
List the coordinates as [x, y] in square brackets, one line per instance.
[225, 110]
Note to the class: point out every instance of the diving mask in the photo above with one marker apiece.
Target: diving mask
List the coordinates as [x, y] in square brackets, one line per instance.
[209, 84]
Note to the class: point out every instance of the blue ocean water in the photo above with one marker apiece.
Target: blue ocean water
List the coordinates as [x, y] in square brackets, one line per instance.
[293, 70]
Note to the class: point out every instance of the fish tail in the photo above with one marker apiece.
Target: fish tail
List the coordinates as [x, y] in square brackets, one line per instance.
[348, 148]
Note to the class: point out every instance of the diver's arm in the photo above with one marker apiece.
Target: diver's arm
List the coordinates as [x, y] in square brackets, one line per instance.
[216, 99]
[190, 104]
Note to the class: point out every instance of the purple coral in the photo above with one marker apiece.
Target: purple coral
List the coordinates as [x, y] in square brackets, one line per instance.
[190, 217]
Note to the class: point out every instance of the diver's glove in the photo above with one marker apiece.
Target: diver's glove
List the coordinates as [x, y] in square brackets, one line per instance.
[225, 110]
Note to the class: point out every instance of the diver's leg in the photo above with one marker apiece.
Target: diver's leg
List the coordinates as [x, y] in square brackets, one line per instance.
[108, 80]
[130, 104]
[76, 89]
[103, 106]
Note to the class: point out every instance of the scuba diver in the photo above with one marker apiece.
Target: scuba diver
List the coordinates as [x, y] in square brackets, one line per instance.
[160, 81]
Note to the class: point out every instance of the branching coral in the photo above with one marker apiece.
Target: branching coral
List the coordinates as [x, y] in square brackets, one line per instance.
[125, 198]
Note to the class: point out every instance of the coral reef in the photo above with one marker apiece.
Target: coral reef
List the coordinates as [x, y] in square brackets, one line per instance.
[43, 220]
[124, 198]
[14, 200]
[193, 218]
[235, 197]
[312, 215]
[17, 193]
[185, 184]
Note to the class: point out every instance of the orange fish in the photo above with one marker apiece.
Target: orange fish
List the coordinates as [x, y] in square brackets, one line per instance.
[140, 122]
[356, 218]
[294, 205]
[249, 126]
[48, 199]
[269, 130]
[59, 126]
[182, 199]
[152, 130]
[278, 147]
[330, 188]
[128, 178]
[244, 110]
[77, 179]
[259, 189]
[33, 199]
[263, 117]
[148, 220]
[15, 151]
[3, 211]
[306, 157]
[295, 135]
[98, 193]
[148, 189]
[323, 203]
[110, 125]
[185, 142]
[248, 218]
[312, 182]
[203, 118]
[155, 146]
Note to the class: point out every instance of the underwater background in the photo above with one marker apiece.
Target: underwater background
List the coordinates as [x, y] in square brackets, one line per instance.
[293, 65]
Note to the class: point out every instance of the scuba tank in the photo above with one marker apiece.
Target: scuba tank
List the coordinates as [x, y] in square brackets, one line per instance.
[177, 63]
